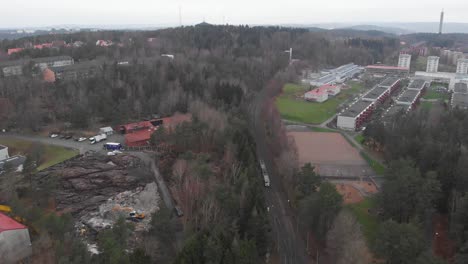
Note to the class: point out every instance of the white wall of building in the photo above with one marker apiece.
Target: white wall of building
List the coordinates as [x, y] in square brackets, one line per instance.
[404, 61]
[346, 122]
[432, 64]
[462, 66]
[318, 97]
[4, 152]
[15, 245]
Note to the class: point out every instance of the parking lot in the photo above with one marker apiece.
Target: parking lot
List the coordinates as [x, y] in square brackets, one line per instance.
[83, 146]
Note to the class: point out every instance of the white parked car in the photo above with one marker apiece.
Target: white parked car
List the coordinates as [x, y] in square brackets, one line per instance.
[113, 153]
[81, 139]
[54, 135]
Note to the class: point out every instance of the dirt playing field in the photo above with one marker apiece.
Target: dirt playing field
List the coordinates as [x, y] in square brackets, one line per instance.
[355, 191]
[350, 194]
[331, 154]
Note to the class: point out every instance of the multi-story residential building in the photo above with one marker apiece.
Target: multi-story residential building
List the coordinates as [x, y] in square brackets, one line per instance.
[353, 117]
[404, 61]
[432, 64]
[48, 62]
[462, 66]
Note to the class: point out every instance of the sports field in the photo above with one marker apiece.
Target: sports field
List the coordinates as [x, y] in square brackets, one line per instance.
[331, 154]
[293, 107]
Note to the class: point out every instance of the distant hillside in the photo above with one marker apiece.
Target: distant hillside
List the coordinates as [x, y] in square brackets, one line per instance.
[391, 30]
[429, 27]
[394, 28]
[352, 33]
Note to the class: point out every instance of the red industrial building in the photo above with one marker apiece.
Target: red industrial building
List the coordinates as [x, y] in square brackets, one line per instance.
[138, 134]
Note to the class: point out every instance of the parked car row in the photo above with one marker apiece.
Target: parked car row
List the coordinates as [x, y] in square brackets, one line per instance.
[66, 136]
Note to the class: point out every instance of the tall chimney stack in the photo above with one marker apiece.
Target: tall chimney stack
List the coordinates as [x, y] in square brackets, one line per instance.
[441, 21]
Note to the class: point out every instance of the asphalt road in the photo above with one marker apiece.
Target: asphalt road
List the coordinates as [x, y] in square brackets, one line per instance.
[290, 246]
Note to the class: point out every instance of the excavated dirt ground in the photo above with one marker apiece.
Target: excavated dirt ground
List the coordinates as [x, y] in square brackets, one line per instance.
[96, 190]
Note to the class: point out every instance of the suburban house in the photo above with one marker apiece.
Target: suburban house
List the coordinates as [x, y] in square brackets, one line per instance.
[15, 243]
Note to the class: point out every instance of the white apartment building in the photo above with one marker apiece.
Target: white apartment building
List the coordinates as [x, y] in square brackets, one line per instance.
[432, 64]
[462, 66]
[404, 61]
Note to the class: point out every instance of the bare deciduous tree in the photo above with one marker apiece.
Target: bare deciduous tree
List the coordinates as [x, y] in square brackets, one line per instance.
[345, 242]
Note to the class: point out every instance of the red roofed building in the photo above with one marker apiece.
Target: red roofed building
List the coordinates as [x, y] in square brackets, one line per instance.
[138, 134]
[321, 94]
[104, 43]
[15, 243]
[48, 75]
[14, 50]
[43, 45]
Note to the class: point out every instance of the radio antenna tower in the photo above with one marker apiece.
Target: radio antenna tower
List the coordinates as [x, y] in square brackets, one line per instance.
[441, 21]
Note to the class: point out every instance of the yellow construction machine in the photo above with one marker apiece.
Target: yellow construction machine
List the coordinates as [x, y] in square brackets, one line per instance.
[133, 215]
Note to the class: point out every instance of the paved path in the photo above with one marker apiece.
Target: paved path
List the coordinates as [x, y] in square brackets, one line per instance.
[164, 191]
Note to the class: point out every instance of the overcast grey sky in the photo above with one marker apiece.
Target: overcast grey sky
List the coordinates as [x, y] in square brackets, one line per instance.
[24, 13]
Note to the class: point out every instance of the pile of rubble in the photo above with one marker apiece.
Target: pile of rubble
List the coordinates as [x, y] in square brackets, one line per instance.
[142, 201]
[88, 181]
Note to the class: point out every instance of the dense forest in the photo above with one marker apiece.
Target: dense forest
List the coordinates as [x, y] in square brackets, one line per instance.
[426, 175]
[211, 162]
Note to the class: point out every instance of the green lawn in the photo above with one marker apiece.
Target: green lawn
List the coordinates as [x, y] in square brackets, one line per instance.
[51, 155]
[293, 107]
[426, 105]
[359, 138]
[432, 94]
[375, 165]
[369, 222]
[322, 129]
